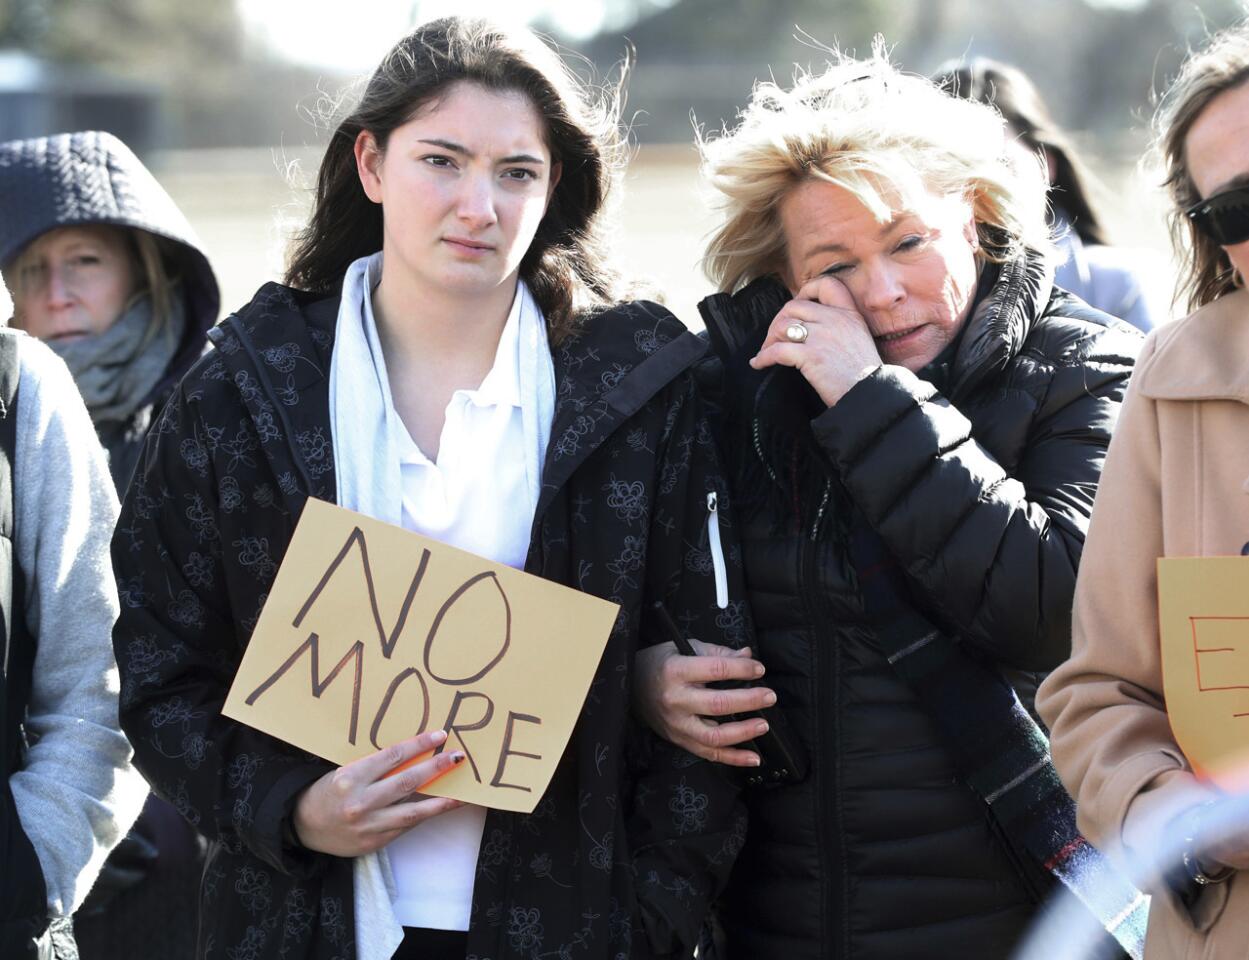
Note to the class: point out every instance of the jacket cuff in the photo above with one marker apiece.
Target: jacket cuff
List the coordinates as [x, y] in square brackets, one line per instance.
[867, 409]
[1152, 814]
[1208, 906]
[1156, 803]
[269, 830]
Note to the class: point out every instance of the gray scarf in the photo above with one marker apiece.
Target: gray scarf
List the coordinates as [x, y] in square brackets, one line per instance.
[116, 370]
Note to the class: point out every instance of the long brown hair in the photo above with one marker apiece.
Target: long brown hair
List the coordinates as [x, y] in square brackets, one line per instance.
[1206, 272]
[565, 266]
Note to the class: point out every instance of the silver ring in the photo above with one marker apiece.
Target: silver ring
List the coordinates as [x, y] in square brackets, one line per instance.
[796, 333]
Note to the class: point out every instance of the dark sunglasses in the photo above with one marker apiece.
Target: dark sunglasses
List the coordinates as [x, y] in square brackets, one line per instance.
[1224, 218]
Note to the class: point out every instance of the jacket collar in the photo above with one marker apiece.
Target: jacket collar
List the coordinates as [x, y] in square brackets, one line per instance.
[1000, 321]
[1201, 357]
[278, 351]
[737, 323]
[616, 362]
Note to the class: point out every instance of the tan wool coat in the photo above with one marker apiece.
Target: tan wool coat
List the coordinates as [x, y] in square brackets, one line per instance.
[1176, 483]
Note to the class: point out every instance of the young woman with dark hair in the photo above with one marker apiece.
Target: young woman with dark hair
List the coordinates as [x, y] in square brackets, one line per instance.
[450, 355]
[565, 264]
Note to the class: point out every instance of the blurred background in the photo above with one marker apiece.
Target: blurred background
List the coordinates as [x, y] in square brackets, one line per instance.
[229, 101]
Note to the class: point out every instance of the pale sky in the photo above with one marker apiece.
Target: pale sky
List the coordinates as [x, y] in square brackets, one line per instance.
[353, 36]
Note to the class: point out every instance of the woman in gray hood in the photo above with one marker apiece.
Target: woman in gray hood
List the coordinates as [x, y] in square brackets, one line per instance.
[104, 268]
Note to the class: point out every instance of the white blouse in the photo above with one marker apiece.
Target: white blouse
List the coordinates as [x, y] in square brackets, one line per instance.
[480, 494]
[475, 496]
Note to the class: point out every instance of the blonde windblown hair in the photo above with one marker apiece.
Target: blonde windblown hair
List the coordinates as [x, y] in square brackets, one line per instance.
[152, 258]
[884, 136]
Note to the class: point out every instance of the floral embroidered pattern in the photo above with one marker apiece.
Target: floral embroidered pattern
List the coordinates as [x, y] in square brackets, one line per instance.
[627, 498]
[689, 809]
[627, 817]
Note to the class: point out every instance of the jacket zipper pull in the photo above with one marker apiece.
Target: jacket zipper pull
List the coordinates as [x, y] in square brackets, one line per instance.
[717, 551]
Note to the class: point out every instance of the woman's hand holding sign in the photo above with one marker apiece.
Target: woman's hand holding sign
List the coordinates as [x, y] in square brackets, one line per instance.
[365, 804]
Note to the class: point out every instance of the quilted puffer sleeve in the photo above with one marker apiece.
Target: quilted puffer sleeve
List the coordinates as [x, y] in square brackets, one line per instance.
[992, 554]
[179, 639]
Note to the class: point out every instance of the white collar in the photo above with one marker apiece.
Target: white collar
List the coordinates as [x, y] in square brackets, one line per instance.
[501, 385]
[368, 449]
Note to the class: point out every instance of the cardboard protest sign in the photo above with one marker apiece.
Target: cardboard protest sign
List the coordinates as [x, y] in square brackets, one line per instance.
[1203, 616]
[372, 634]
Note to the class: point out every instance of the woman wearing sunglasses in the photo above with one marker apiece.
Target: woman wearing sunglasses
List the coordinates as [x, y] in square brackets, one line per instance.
[1173, 485]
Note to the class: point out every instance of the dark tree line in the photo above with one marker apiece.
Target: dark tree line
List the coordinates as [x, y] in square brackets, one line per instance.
[1096, 64]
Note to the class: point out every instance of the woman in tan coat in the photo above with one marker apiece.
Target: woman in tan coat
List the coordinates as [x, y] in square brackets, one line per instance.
[1174, 484]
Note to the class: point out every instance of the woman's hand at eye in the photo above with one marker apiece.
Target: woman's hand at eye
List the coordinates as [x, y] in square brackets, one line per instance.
[839, 350]
[362, 806]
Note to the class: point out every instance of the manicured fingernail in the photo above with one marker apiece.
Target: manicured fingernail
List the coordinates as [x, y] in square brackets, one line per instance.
[761, 728]
[754, 760]
[769, 698]
[438, 736]
[457, 757]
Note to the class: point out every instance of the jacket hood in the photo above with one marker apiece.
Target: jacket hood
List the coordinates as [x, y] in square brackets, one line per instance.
[91, 177]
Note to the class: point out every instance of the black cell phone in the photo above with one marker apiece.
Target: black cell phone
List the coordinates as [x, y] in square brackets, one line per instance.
[781, 754]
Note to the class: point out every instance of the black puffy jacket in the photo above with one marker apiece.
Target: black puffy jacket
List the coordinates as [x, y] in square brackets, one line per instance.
[979, 477]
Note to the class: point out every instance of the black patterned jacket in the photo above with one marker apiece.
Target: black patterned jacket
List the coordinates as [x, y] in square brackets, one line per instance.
[632, 838]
